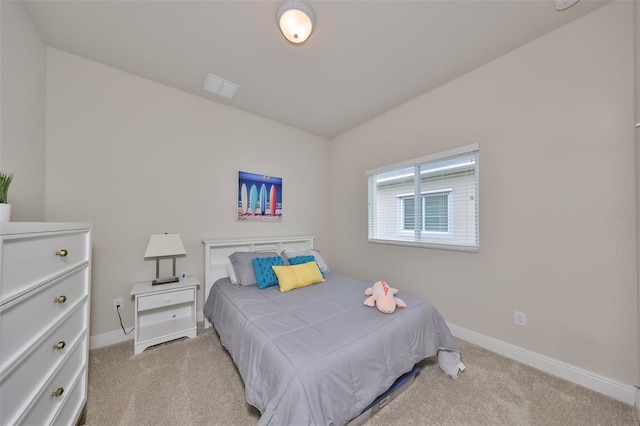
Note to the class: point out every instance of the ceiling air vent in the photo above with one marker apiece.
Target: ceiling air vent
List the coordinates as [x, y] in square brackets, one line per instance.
[219, 86]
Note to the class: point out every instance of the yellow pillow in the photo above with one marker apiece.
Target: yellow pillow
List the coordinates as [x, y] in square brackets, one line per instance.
[296, 276]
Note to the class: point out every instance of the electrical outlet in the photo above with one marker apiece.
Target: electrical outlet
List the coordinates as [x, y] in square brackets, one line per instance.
[520, 318]
[117, 302]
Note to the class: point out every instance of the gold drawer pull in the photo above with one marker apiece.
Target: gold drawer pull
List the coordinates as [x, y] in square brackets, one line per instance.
[59, 345]
[57, 393]
[60, 299]
[62, 253]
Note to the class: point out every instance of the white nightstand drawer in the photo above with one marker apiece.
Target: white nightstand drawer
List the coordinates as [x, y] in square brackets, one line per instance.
[165, 299]
[20, 384]
[29, 260]
[26, 319]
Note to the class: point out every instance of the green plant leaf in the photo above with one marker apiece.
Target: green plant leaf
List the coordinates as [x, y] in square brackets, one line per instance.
[5, 181]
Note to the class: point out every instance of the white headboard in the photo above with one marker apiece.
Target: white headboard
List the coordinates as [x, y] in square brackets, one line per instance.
[216, 254]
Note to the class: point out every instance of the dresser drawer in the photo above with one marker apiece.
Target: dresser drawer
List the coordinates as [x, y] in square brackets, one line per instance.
[25, 320]
[19, 385]
[32, 259]
[165, 299]
[46, 404]
[70, 412]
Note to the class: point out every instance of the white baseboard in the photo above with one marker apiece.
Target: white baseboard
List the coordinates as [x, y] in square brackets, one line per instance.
[113, 337]
[612, 388]
[107, 339]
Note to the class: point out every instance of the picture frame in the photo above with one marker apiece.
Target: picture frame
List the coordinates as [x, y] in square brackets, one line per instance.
[259, 198]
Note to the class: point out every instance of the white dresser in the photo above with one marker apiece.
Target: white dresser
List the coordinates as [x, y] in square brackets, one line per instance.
[45, 275]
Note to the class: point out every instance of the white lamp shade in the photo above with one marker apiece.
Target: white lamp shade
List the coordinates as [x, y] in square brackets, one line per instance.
[161, 245]
[296, 21]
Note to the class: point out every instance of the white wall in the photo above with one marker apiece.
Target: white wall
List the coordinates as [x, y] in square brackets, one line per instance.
[556, 152]
[135, 157]
[22, 117]
[636, 49]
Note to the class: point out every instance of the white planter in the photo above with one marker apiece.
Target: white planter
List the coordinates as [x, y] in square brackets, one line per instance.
[5, 212]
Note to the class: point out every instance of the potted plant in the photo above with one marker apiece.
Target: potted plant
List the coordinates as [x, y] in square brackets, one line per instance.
[5, 208]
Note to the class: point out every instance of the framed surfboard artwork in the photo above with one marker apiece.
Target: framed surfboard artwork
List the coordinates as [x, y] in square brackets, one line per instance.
[259, 198]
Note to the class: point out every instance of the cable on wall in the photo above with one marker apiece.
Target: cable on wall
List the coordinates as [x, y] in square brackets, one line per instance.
[120, 318]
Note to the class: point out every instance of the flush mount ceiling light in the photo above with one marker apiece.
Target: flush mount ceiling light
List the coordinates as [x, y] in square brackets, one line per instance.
[564, 4]
[296, 21]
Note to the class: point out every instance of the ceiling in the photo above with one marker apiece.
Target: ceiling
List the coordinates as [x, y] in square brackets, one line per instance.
[364, 58]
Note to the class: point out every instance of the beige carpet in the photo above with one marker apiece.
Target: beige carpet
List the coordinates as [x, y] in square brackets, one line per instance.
[194, 382]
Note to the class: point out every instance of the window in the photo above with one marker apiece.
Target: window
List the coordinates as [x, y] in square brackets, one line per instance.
[435, 211]
[430, 201]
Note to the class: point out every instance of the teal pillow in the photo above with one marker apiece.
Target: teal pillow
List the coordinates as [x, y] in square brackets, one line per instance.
[298, 260]
[264, 273]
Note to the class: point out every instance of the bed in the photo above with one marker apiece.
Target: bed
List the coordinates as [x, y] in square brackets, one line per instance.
[316, 355]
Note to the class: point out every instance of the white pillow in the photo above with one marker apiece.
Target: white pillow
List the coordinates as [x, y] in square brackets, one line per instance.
[287, 254]
[231, 273]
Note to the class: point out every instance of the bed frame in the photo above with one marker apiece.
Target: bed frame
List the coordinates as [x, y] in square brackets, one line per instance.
[217, 251]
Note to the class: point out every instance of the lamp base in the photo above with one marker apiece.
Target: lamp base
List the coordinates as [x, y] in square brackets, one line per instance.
[165, 280]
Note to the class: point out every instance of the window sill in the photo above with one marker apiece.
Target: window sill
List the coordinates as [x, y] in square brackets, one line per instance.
[449, 247]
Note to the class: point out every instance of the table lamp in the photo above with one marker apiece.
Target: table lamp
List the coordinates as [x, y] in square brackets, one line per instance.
[163, 246]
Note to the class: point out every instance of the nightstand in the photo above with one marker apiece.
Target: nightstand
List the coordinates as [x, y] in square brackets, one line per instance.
[164, 312]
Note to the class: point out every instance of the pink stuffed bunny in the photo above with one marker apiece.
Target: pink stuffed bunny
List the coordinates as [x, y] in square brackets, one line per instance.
[381, 295]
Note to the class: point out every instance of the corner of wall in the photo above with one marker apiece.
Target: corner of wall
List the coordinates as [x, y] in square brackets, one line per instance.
[22, 109]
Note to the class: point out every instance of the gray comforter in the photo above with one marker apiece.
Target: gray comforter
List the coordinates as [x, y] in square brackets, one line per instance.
[317, 355]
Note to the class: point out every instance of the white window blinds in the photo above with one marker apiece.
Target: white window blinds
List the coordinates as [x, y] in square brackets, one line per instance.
[429, 201]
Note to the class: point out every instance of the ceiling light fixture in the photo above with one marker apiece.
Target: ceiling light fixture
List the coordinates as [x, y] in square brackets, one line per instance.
[296, 21]
[564, 4]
